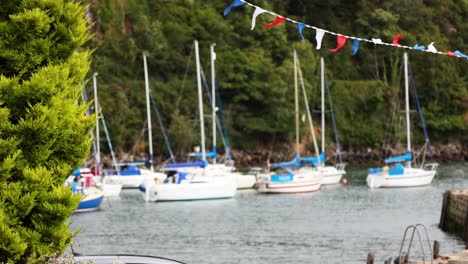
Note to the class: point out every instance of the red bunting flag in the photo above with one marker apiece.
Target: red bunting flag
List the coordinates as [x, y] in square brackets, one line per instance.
[451, 54]
[278, 20]
[341, 42]
[396, 39]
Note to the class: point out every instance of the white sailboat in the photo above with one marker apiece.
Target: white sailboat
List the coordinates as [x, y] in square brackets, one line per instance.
[291, 177]
[330, 174]
[92, 178]
[394, 173]
[243, 181]
[214, 168]
[133, 176]
[194, 180]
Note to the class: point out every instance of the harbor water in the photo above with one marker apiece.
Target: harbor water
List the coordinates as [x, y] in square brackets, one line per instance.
[339, 224]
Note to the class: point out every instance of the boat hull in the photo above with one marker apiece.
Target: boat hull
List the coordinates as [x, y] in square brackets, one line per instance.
[110, 190]
[330, 175]
[245, 181]
[133, 181]
[411, 177]
[200, 189]
[90, 202]
[302, 182]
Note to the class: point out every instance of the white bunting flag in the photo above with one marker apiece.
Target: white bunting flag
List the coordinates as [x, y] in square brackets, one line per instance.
[257, 12]
[431, 47]
[319, 36]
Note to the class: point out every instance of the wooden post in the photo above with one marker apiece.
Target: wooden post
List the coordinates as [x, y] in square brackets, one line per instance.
[436, 249]
[370, 258]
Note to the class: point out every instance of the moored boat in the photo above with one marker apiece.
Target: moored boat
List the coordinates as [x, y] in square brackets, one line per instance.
[92, 199]
[289, 177]
[191, 187]
[399, 171]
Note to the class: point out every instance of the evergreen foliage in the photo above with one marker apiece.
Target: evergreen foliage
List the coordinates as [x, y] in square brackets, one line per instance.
[44, 133]
[254, 67]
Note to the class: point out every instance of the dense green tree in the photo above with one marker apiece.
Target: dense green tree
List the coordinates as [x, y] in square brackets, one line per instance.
[44, 133]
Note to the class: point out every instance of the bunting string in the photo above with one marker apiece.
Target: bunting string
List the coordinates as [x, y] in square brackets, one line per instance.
[341, 38]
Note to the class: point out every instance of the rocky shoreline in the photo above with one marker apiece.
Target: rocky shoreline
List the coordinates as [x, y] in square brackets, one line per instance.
[354, 156]
[259, 156]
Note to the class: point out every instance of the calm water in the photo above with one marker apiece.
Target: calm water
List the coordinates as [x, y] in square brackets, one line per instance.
[339, 224]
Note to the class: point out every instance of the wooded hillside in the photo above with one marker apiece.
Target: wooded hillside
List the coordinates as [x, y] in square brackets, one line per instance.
[255, 68]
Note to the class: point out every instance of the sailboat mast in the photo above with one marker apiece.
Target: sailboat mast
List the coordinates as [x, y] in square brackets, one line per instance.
[296, 101]
[200, 103]
[213, 96]
[322, 92]
[408, 131]
[309, 116]
[148, 112]
[96, 112]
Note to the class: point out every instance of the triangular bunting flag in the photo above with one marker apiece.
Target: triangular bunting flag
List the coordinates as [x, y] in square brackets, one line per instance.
[419, 47]
[318, 37]
[341, 40]
[234, 4]
[300, 27]
[377, 41]
[451, 54]
[396, 39]
[458, 53]
[257, 12]
[356, 46]
[278, 20]
[431, 47]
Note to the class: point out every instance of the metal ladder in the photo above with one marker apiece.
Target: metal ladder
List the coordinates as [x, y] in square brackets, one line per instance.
[415, 229]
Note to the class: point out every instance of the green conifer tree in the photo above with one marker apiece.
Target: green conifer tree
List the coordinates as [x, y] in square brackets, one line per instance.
[44, 133]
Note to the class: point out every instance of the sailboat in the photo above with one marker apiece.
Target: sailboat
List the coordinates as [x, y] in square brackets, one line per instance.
[291, 176]
[80, 183]
[132, 176]
[398, 171]
[193, 180]
[329, 174]
[243, 181]
[108, 189]
[91, 179]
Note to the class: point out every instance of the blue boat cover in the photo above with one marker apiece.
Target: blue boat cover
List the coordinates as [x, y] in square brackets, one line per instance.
[402, 158]
[130, 170]
[314, 160]
[212, 154]
[201, 164]
[397, 170]
[182, 176]
[295, 162]
[282, 177]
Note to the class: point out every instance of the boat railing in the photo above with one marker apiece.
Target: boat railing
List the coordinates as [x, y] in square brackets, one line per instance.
[415, 229]
[431, 166]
